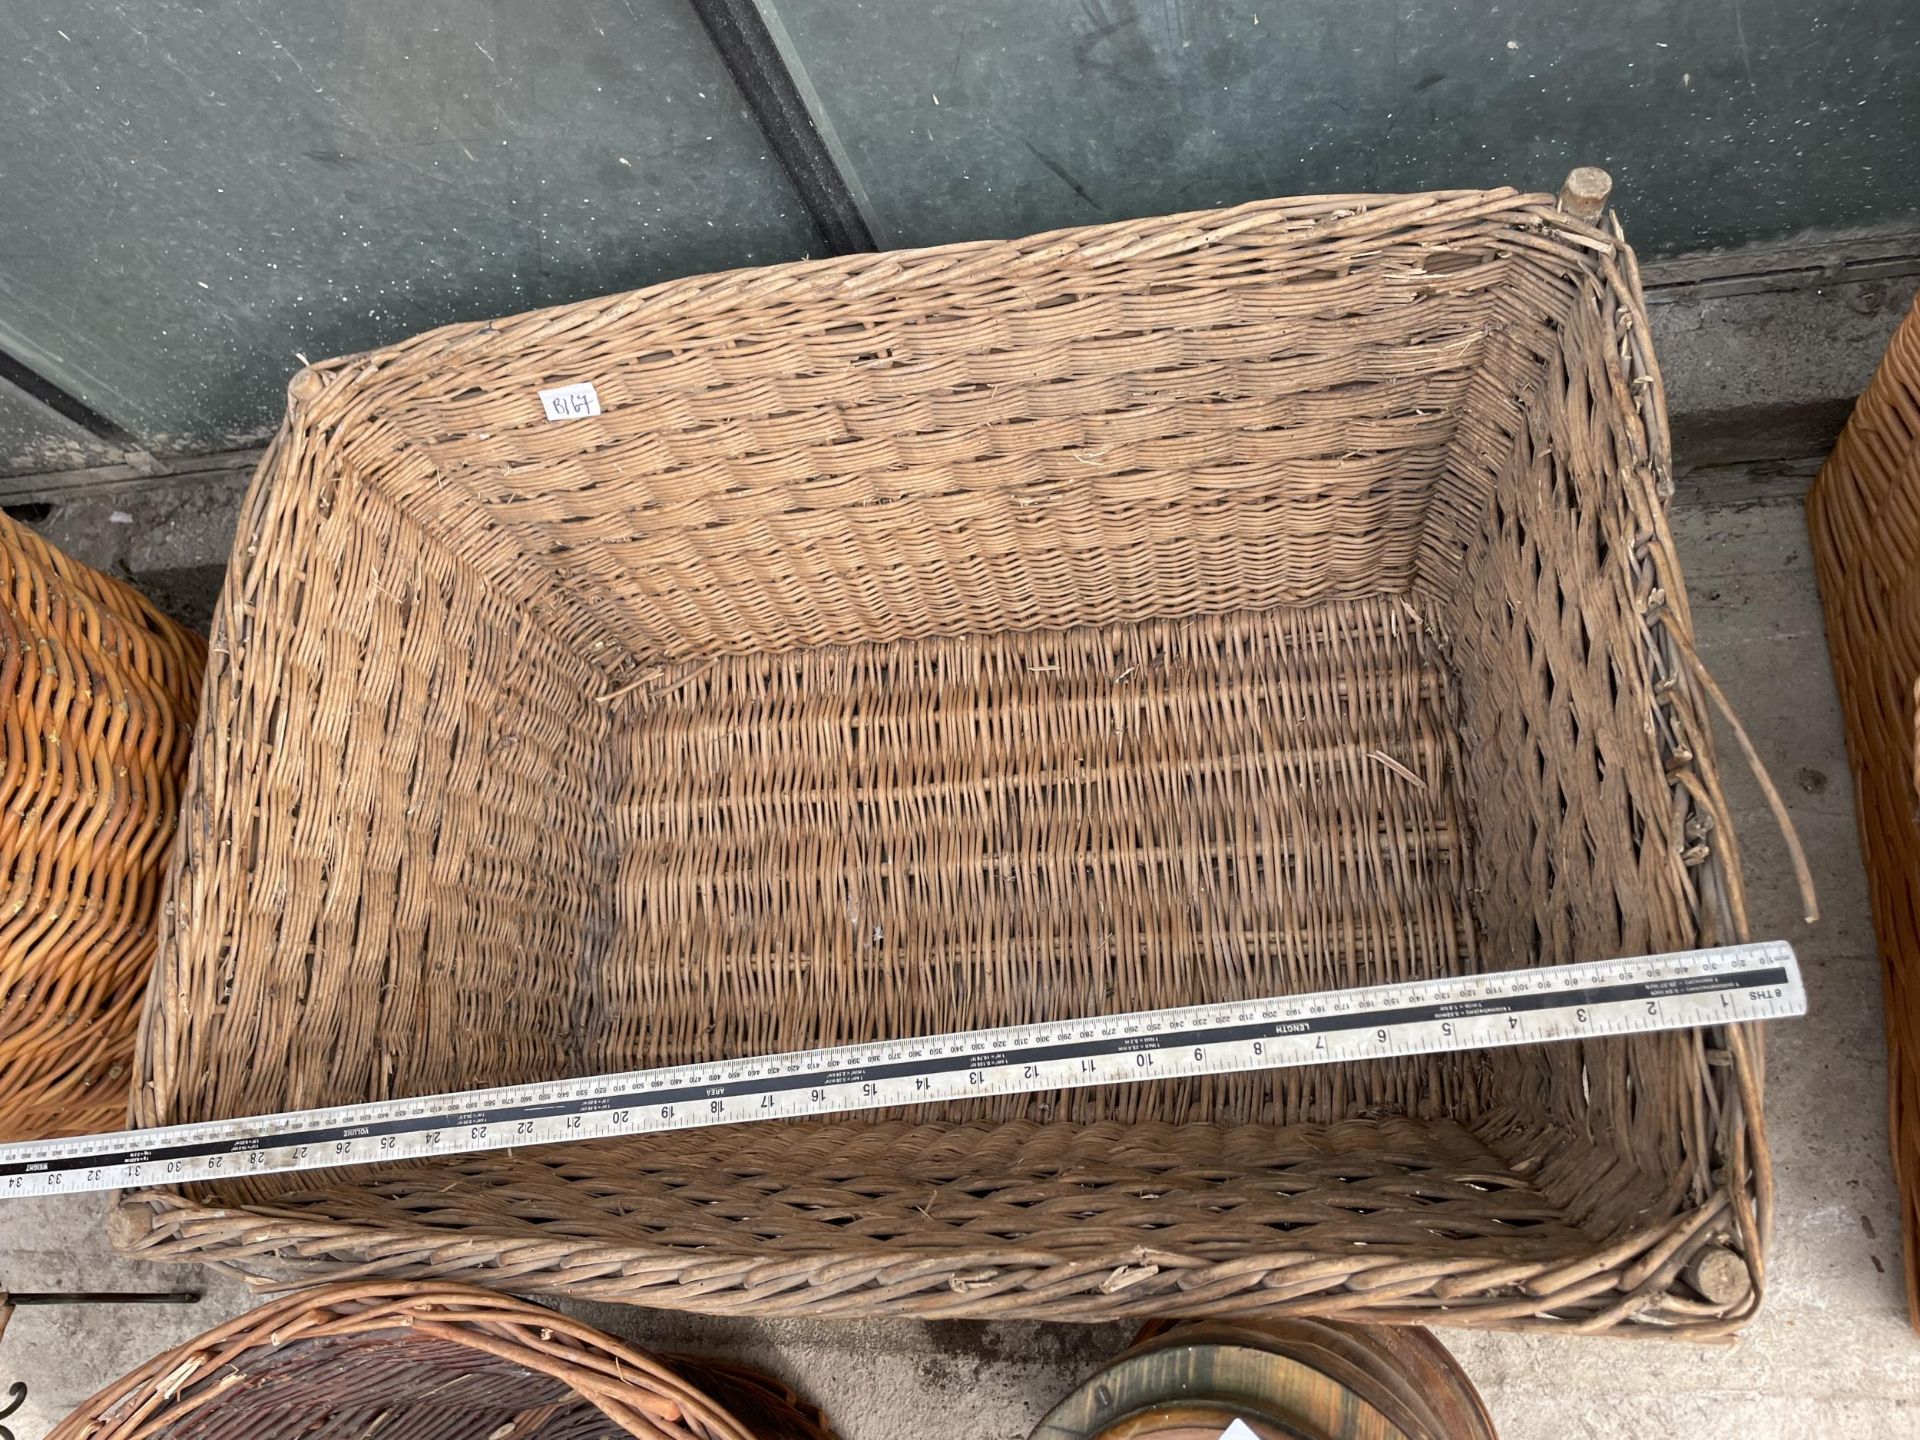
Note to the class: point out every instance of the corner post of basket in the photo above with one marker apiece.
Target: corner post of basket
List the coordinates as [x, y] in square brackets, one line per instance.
[1584, 193]
[306, 386]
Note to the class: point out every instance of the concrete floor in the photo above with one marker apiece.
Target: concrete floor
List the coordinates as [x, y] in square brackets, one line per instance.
[1830, 1355]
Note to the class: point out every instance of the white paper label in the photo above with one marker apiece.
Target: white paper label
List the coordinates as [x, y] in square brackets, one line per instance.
[570, 402]
[1238, 1430]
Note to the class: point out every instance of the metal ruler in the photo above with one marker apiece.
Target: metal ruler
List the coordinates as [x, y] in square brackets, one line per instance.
[1510, 1007]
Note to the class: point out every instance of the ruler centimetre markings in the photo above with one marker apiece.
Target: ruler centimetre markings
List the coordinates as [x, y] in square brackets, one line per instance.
[1736, 983]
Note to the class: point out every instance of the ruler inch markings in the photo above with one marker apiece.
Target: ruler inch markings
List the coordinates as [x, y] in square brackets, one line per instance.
[1685, 990]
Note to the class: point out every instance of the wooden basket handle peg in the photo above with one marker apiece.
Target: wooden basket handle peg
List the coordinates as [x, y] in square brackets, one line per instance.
[1584, 194]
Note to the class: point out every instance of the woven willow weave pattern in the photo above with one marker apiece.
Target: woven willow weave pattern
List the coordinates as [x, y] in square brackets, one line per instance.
[98, 693]
[1864, 512]
[1194, 608]
[428, 1361]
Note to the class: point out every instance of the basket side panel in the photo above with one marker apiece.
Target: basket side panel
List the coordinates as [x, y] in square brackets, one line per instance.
[356, 1385]
[1580, 853]
[1037, 1220]
[392, 859]
[1169, 418]
[1599, 828]
[424, 1361]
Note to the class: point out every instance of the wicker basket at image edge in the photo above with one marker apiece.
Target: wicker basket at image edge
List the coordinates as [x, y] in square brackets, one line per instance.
[431, 1361]
[1864, 512]
[98, 692]
[1269, 599]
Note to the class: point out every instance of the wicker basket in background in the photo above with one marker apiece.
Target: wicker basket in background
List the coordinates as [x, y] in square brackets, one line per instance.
[1864, 511]
[1273, 599]
[431, 1362]
[98, 693]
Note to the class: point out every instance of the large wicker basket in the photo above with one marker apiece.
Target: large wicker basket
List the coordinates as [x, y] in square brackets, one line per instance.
[1864, 511]
[98, 691]
[1271, 599]
[428, 1361]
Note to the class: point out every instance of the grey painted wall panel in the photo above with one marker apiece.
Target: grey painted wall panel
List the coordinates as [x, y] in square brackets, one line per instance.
[35, 439]
[192, 193]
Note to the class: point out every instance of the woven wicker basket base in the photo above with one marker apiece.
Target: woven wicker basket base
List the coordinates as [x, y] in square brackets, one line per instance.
[850, 843]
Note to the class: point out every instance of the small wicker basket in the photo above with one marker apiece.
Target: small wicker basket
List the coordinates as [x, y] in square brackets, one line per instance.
[1265, 600]
[1864, 511]
[431, 1362]
[98, 694]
